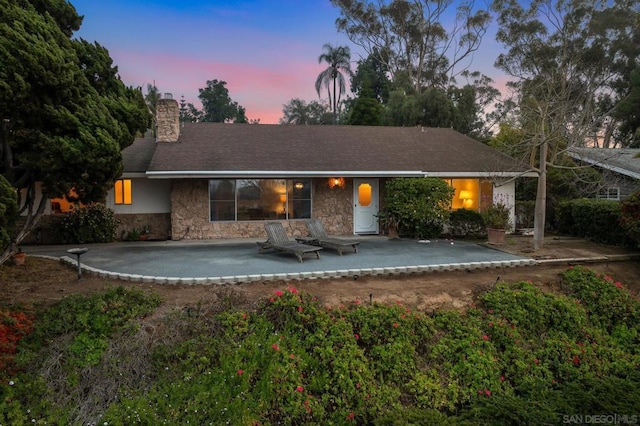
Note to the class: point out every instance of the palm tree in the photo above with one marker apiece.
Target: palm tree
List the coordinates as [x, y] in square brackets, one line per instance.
[339, 60]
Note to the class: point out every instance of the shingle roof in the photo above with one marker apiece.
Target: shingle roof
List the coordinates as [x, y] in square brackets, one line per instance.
[208, 149]
[137, 156]
[620, 160]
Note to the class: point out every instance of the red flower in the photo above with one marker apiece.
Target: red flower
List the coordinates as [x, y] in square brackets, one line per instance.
[299, 389]
[300, 309]
[240, 372]
[357, 301]
[618, 284]
[275, 347]
[292, 290]
[278, 293]
[536, 361]
[351, 416]
[357, 336]
[576, 360]
[485, 337]
[395, 325]
[487, 392]
[292, 356]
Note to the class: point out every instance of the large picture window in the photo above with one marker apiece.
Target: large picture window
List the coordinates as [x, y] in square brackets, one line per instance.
[259, 199]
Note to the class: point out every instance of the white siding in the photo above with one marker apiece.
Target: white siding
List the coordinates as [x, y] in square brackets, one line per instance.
[147, 196]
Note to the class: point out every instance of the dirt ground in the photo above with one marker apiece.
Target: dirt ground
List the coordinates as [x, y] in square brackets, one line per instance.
[42, 281]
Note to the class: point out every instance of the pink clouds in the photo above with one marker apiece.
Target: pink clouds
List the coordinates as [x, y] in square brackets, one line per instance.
[262, 90]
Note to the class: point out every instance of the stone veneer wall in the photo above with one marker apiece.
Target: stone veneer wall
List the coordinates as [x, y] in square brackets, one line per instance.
[159, 225]
[190, 213]
[334, 207]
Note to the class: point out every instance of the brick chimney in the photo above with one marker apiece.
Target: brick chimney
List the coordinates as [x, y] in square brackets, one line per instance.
[168, 119]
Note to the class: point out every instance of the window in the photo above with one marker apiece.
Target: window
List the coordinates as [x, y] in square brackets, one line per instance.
[610, 193]
[259, 199]
[66, 204]
[122, 191]
[469, 193]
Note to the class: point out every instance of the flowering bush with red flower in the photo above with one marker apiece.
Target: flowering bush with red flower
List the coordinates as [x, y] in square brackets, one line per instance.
[14, 325]
[289, 360]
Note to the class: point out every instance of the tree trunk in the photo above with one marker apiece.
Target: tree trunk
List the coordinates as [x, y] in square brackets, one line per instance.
[30, 222]
[335, 117]
[541, 199]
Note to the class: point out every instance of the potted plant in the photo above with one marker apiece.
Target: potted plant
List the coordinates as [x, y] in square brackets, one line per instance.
[389, 223]
[497, 220]
[144, 233]
[19, 257]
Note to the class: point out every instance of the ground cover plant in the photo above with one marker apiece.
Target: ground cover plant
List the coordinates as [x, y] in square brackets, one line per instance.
[520, 355]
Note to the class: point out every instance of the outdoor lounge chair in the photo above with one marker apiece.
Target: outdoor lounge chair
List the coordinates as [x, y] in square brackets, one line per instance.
[318, 236]
[277, 240]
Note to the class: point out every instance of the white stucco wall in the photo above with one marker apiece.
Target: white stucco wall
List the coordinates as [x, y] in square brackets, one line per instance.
[147, 196]
[505, 191]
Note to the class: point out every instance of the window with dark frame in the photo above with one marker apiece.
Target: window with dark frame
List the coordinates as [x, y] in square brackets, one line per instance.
[259, 199]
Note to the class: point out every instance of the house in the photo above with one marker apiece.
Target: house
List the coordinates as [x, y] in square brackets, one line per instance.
[619, 167]
[216, 180]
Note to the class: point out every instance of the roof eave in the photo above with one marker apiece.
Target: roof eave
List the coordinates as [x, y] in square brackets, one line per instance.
[185, 174]
[603, 165]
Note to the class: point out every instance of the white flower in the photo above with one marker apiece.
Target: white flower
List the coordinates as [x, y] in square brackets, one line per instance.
[11, 383]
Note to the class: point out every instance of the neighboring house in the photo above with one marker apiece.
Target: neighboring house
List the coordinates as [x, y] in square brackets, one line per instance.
[619, 167]
[215, 180]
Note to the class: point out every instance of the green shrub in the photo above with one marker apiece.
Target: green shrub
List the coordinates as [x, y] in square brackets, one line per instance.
[466, 223]
[8, 211]
[525, 213]
[94, 223]
[523, 355]
[607, 301]
[89, 321]
[418, 206]
[596, 220]
[630, 216]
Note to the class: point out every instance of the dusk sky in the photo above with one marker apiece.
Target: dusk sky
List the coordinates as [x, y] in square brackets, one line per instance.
[266, 50]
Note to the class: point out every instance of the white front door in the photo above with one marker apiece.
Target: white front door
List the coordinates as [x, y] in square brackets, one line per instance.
[365, 196]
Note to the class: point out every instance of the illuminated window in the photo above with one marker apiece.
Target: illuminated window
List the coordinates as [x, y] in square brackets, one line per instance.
[259, 199]
[65, 204]
[468, 194]
[122, 191]
[364, 194]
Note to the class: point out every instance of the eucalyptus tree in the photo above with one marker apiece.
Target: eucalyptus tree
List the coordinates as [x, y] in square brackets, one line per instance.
[65, 113]
[297, 111]
[568, 75]
[338, 60]
[432, 41]
[151, 98]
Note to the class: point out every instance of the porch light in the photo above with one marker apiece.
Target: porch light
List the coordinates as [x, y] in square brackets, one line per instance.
[336, 182]
[298, 185]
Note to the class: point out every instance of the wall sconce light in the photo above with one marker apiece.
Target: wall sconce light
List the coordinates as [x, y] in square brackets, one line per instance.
[336, 182]
[465, 196]
[298, 185]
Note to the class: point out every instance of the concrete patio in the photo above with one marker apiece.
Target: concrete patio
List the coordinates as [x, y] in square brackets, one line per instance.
[237, 261]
